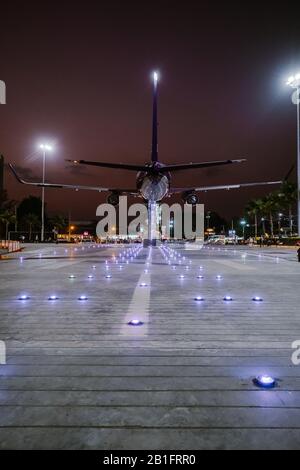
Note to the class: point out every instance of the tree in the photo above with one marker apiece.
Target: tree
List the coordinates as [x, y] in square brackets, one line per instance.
[29, 205]
[287, 197]
[271, 205]
[59, 222]
[252, 209]
[7, 217]
[32, 220]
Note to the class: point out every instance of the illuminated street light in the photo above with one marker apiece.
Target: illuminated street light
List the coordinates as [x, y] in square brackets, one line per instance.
[294, 82]
[243, 223]
[45, 148]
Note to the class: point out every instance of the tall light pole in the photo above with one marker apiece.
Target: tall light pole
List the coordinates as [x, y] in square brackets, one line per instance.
[45, 148]
[294, 82]
[243, 224]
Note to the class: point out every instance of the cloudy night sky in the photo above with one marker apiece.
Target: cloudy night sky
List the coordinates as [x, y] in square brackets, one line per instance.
[78, 74]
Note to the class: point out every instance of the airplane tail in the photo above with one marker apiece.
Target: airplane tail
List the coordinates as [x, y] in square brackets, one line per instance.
[154, 148]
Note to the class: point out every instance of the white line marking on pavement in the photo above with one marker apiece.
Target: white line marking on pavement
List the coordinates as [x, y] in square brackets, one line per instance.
[139, 305]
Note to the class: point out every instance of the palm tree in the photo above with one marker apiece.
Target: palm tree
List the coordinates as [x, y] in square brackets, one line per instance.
[271, 205]
[32, 220]
[7, 217]
[287, 197]
[252, 209]
[60, 222]
[261, 210]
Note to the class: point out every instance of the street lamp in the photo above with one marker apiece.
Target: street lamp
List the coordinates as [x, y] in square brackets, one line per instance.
[45, 148]
[243, 224]
[294, 82]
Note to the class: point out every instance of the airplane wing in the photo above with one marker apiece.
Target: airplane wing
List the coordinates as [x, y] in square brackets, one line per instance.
[120, 166]
[76, 187]
[227, 186]
[191, 166]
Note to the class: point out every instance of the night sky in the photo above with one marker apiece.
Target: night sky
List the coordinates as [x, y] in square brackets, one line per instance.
[78, 75]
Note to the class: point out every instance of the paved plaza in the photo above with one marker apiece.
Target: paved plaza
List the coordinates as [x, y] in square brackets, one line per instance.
[78, 376]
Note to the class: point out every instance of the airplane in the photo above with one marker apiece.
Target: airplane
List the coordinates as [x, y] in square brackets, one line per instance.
[153, 180]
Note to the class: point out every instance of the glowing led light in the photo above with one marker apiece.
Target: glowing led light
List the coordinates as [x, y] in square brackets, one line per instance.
[72, 276]
[228, 298]
[264, 381]
[108, 276]
[135, 322]
[82, 297]
[53, 297]
[24, 297]
[90, 276]
[257, 299]
[199, 298]
[155, 77]
[218, 277]
[94, 267]
[200, 277]
[143, 284]
[181, 276]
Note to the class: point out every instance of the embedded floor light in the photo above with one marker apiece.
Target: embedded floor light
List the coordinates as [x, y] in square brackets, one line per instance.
[199, 298]
[143, 284]
[181, 276]
[53, 297]
[257, 299]
[264, 381]
[72, 276]
[200, 277]
[24, 297]
[227, 298]
[82, 297]
[90, 276]
[108, 276]
[218, 277]
[135, 322]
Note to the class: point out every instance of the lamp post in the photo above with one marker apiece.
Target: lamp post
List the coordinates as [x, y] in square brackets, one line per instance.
[294, 82]
[243, 224]
[44, 148]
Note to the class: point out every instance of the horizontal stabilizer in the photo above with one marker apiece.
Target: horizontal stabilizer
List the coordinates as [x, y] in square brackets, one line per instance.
[191, 166]
[224, 186]
[119, 166]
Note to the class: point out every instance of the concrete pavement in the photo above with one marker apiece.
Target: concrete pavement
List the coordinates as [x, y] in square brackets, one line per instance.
[78, 376]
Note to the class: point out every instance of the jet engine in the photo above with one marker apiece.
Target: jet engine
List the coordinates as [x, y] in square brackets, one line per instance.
[190, 198]
[113, 199]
